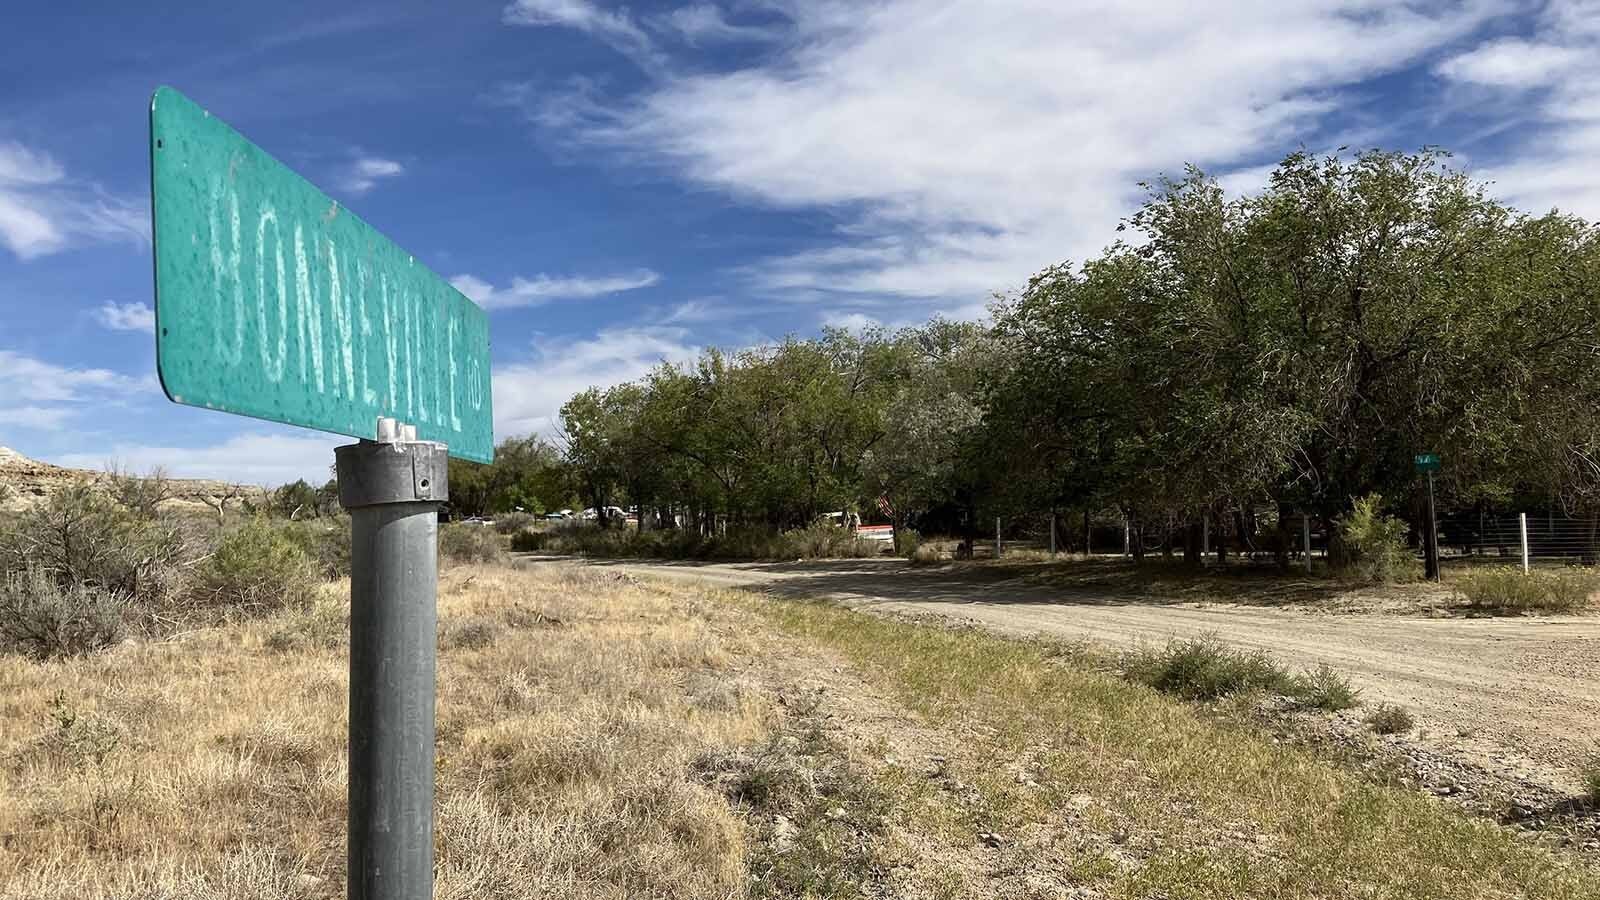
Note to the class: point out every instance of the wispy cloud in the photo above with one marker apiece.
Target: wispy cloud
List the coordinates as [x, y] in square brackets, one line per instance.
[261, 459]
[616, 28]
[707, 23]
[542, 289]
[365, 172]
[126, 316]
[1553, 76]
[49, 396]
[952, 179]
[528, 395]
[43, 211]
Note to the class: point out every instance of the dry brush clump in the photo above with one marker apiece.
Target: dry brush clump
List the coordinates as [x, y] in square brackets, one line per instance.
[571, 716]
[1507, 589]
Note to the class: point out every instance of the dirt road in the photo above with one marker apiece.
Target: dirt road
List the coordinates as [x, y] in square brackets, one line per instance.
[1518, 697]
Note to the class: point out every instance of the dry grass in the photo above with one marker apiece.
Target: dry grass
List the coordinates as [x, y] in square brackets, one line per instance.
[1132, 794]
[601, 738]
[213, 766]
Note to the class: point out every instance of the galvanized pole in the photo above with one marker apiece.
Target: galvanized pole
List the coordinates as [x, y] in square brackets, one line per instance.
[997, 548]
[1205, 536]
[1305, 538]
[1052, 533]
[393, 488]
[1522, 523]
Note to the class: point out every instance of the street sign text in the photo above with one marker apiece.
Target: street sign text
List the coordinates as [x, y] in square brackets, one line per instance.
[274, 301]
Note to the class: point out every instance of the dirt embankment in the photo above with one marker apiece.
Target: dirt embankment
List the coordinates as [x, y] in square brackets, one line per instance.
[31, 481]
[1516, 699]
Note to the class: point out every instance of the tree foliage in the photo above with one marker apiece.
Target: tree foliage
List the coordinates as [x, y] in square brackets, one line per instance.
[1277, 353]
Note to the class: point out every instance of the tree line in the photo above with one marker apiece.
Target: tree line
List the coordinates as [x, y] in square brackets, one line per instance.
[1227, 361]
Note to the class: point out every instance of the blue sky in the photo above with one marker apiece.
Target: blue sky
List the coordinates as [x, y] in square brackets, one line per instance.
[620, 185]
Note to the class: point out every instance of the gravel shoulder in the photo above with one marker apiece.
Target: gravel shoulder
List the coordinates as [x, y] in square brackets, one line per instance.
[1514, 697]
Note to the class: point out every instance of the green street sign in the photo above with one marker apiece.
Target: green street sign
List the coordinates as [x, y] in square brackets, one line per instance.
[274, 301]
[1427, 462]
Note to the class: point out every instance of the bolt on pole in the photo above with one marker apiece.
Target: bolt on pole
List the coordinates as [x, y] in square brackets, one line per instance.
[393, 488]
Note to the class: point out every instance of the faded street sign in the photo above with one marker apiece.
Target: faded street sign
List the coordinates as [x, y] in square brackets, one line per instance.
[274, 301]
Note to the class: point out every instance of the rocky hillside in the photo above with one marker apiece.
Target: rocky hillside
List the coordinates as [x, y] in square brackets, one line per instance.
[24, 482]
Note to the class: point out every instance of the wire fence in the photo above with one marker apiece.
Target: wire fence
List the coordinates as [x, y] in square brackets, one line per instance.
[1548, 537]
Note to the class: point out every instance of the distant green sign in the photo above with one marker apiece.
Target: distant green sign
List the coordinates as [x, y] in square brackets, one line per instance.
[1427, 462]
[273, 301]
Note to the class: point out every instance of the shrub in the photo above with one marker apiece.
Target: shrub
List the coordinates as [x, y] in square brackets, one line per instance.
[1373, 545]
[906, 542]
[513, 522]
[1390, 719]
[1204, 668]
[925, 555]
[471, 633]
[1591, 779]
[324, 541]
[464, 544]
[325, 623]
[1323, 688]
[820, 541]
[80, 536]
[256, 567]
[1508, 589]
[41, 618]
[530, 541]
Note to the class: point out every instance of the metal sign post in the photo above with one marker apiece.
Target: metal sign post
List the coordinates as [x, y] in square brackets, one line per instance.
[1429, 463]
[393, 488]
[274, 301]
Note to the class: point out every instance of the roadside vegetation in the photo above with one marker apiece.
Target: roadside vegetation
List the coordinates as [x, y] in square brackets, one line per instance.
[1205, 668]
[604, 737]
[818, 541]
[1506, 589]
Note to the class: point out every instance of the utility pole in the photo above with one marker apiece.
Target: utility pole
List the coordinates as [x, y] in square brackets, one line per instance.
[393, 488]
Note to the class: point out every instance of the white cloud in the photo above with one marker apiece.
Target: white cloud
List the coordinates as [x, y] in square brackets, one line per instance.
[126, 316]
[365, 173]
[42, 210]
[702, 23]
[39, 418]
[260, 459]
[965, 145]
[48, 397]
[543, 288]
[34, 380]
[1513, 63]
[1553, 165]
[615, 27]
[528, 395]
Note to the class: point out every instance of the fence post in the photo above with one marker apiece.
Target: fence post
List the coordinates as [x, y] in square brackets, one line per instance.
[1205, 537]
[1127, 547]
[1088, 535]
[1522, 522]
[997, 548]
[1052, 532]
[1305, 538]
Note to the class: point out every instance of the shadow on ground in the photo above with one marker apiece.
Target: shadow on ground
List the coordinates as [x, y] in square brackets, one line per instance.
[1073, 583]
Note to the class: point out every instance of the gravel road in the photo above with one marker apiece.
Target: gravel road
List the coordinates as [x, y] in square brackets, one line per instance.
[1517, 697]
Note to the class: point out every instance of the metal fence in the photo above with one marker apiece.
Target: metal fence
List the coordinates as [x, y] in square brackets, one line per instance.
[1510, 538]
